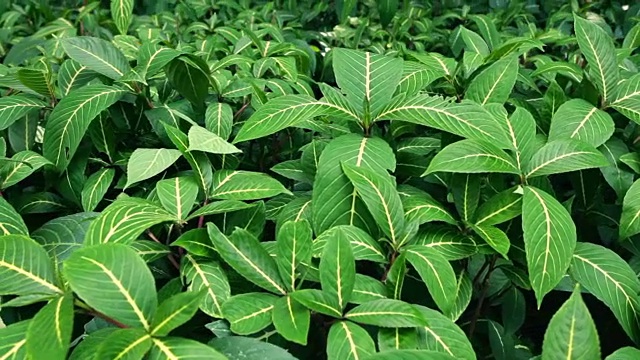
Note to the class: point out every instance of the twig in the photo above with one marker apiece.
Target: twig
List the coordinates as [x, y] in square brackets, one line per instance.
[483, 294]
[239, 112]
[394, 256]
[102, 316]
[170, 256]
[201, 218]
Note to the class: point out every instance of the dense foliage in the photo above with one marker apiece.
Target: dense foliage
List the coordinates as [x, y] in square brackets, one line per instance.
[306, 180]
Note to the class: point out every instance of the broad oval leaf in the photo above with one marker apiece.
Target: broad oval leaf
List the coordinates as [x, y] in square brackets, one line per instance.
[97, 54]
[146, 163]
[208, 276]
[178, 195]
[101, 276]
[25, 267]
[291, 320]
[610, 279]
[63, 235]
[494, 84]
[349, 341]
[49, 332]
[171, 348]
[437, 274]
[443, 335]
[472, 156]
[245, 185]
[124, 220]
[562, 156]
[15, 107]
[10, 221]
[73, 75]
[387, 313]
[250, 312]
[571, 333]
[578, 119]
[549, 240]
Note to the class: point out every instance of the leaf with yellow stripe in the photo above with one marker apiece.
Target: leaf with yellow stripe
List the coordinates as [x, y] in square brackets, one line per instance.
[97, 54]
[49, 332]
[180, 348]
[293, 247]
[291, 319]
[338, 270]
[244, 253]
[178, 195]
[122, 12]
[25, 268]
[124, 344]
[22, 165]
[249, 313]
[349, 341]
[175, 311]
[561, 156]
[437, 274]
[96, 187]
[571, 334]
[206, 275]
[10, 221]
[630, 218]
[101, 276]
[549, 239]
[387, 313]
[13, 341]
[441, 334]
[245, 185]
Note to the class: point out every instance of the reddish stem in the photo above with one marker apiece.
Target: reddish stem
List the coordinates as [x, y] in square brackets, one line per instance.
[201, 218]
[172, 258]
[107, 319]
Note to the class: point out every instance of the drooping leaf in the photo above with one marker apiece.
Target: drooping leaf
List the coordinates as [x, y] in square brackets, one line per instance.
[96, 187]
[571, 333]
[349, 341]
[97, 54]
[578, 119]
[101, 275]
[494, 84]
[610, 279]
[562, 156]
[472, 156]
[71, 118]
[146, 163]
[338, 269]
[437, 274]
[245, 185]
[549, 239]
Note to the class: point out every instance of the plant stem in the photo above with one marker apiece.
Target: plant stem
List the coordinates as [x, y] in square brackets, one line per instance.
[172, 259]
[483, 294]
[96, 313]
[201, 218]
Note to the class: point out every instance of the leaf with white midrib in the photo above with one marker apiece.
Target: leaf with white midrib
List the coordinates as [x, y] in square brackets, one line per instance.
[249, 313]
[560, 156]
[174, 348]
[630, 217]
[146, 163]
[13, 345]
[97, 54]
[578, 119]
[10, 221]
[436, 273]
[348, 341]
[207, 276]
[96, 186]
[178, 195]
[443, 335]
[14, 107]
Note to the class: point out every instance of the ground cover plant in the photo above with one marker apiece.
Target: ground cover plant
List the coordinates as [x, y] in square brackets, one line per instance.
[309, 180]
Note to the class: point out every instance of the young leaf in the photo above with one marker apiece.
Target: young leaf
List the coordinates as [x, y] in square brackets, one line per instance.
[338, 269]
[101, 276]
[204, 140]
[597, 47]
[208, 276]
[12, 108]
[219, 119]
[291, 320]
[387, 313]
[180, 348]
[610, 279]
[562, 156]
[129, 343]
[495, 237]
[245, 185]
[178, 195]
[249, 313]
[243, 252]
[494, 84]
[437, 274]
[146, 163]
[122, 11]
[571, 333]
[97, 54]
[378, 191]
[367, 78]
[71, 118]
[349, 341]
[472, 156]
[549, 239]
[630, 218]
[175, 311]
[443, 335]
[293, 247]
[578, 119]
[96, 187]
[25, 267]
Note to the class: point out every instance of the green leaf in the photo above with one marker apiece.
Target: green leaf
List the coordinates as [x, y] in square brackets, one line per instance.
[464, 291]
[448, 241]
[494, 84]
[219, 119]
[36, 80]
[180, 348]
[443, 335]
[630, 218]
[291, 320]
[562, 156]
[63, 235]
[98, 55]
[124, 344]
[436, 272]
[204, 140]
[219, 207]
[71, 118]
[178, 195]
[122, 11]
[378, 191]
[147, 163]
[501, 207]
[239, 347]
[473, 42]
[245, 185]
[625, 353]
[73, 75]
[152, 58]
[521, 130]
[367, 289]
[338, 269]
[465, 189]
[420, 207]
[472, 156]
[578, 119]
[175, 311]
[249, 313]
[616, 175]
[609, 278]
[15, 107]
[188, 79]
[293, 247]
[502, 344]
[495, 237]
[124, 220]
[202, 168]
[387, 313]
[627, 98]
[149, 250]
[13, 345]
[25, 267]
[571, 333]
[366, 77]
[49, 332]
[397, 339]
[466, 119]
[488, 30]
[96, 187]
[549, 240]
[208, 276]
[349, 341]
[22, 165]
[335, 201]
[243, 252]
[10, 221]
[101, 276]
[597, 47]
[318, 301]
